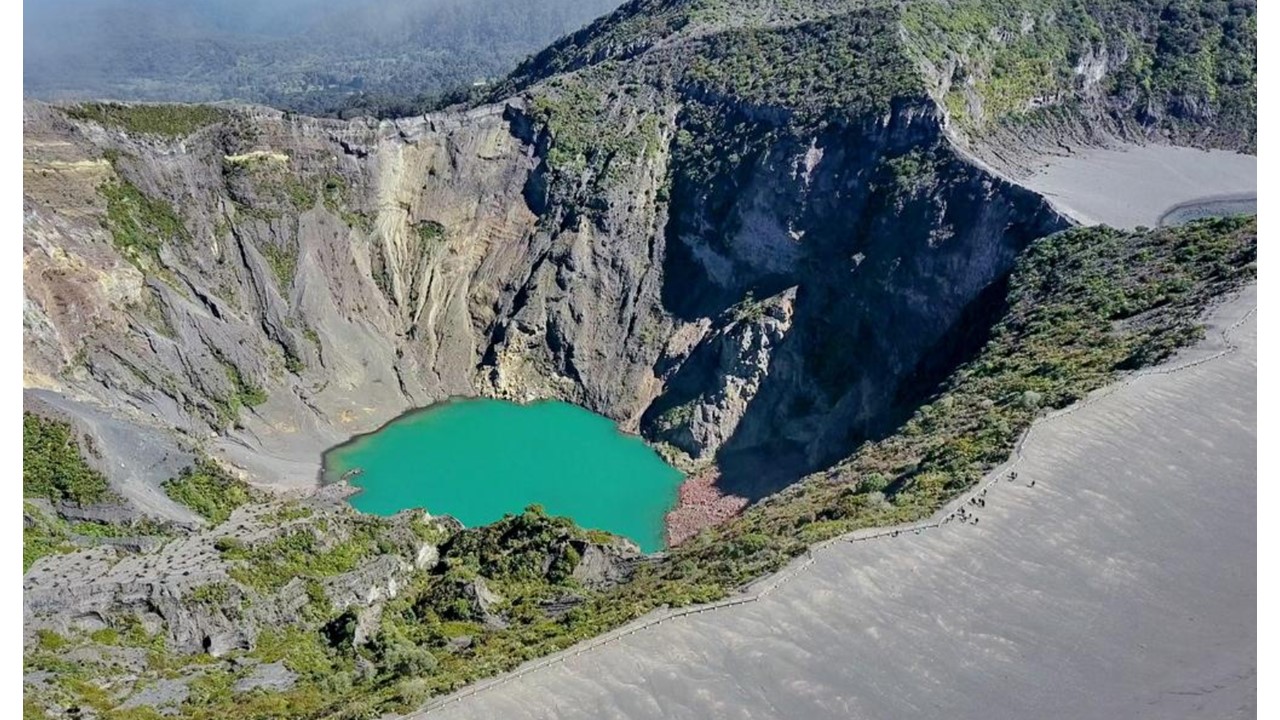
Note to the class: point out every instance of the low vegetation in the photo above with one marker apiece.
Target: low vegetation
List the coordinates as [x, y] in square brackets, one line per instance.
[283, 262]
[141, 225]
[47, 533]
[52, 466]
[243, 393]
[303, 552]
[1196, 64]
[429, 232]
[42, 534]
[209, 490]
[54, 471]
[594, 139]
[842, 67]
[910, 172]
[169, 121]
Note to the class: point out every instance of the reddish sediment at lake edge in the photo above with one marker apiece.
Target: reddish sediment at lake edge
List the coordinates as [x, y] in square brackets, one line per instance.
[700, 504]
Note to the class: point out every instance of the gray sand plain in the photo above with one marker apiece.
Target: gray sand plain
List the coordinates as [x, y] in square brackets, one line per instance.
[1130, 185]
[1120, 585]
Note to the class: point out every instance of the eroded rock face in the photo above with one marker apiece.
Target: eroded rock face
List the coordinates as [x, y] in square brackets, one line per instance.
[328, 275]
[736, 359]
[603, 565]
[878, 244]
[308, 253]
[204, 597]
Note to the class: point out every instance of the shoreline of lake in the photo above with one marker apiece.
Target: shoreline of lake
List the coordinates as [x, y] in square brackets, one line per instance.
[569, 460]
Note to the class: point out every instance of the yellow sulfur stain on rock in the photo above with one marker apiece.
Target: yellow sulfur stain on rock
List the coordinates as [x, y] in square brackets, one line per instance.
[256, 156]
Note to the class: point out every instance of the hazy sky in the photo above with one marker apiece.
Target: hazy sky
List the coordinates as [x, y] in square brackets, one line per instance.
[100, 46]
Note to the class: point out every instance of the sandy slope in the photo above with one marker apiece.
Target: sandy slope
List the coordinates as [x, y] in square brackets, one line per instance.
[1121, 585]
[1126, 186]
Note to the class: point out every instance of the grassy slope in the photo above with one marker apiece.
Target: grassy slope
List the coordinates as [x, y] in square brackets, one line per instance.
[54, 470]
[163, 120]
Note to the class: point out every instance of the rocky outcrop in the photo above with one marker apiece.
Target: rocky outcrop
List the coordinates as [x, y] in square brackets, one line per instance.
[735, 360]
[603, 565]
[483, 601]
[267, 676]
[887, 240]
[207, 592]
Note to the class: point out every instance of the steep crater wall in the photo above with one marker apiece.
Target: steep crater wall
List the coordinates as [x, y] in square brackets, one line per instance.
[322, 277]
[833, 268]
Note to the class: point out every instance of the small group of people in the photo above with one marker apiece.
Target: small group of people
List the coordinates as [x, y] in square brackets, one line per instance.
[1013, 475]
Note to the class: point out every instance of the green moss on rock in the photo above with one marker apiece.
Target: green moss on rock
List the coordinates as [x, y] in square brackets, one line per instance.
[140, 225]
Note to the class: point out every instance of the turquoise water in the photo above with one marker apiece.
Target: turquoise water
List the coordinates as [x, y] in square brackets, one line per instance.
[479, 459]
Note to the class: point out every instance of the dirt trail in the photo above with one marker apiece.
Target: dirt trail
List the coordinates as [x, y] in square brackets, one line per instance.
[1126, 186]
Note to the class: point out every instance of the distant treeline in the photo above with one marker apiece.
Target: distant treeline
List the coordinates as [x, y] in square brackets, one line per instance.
[338, 57]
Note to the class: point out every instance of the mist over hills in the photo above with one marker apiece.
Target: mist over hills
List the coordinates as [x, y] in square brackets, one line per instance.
[315, 56]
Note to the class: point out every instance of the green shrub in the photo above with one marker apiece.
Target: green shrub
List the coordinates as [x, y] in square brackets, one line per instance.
[400, 657]
[283, 262]
[50, 640]
[52, 466]
[140, 225]
[212, 595]
[749, 309]
[209, 490]
[875, 482]
[429, 232]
